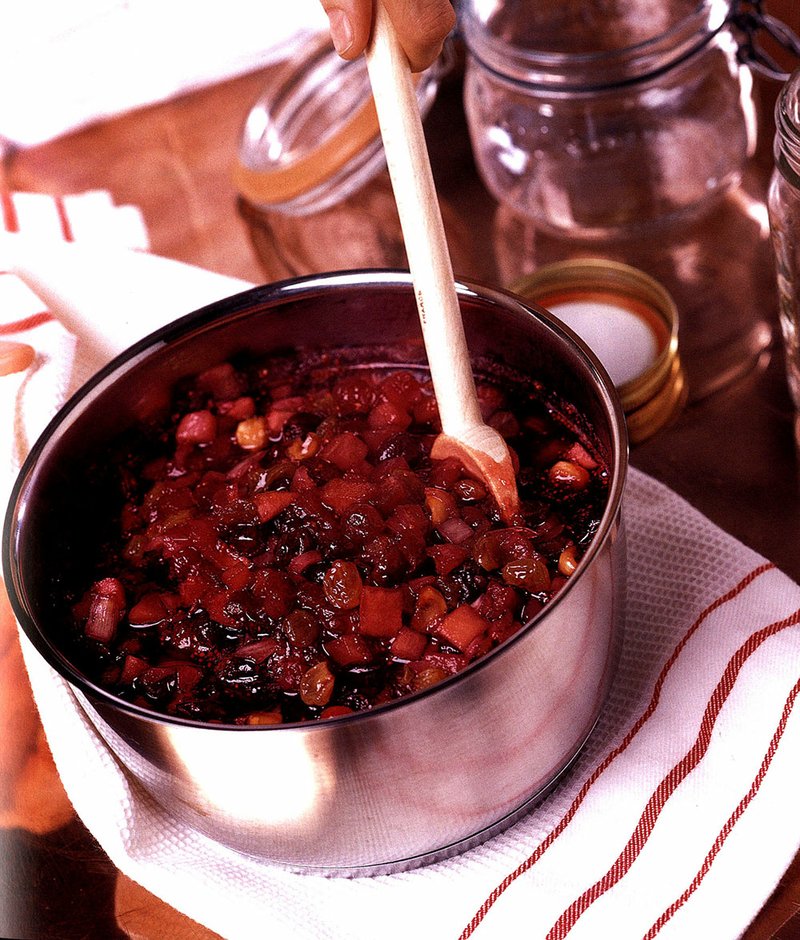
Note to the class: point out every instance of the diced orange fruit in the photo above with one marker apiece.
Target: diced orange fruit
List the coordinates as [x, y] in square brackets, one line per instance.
[461, 626]
[269, 504]
[349, 650]
[340, 494]
[447, 558]
[380, 612]
[387, 414]
[346, 451]
[408, 644]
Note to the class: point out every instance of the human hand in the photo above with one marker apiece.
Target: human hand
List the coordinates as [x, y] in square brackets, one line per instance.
[421, 26]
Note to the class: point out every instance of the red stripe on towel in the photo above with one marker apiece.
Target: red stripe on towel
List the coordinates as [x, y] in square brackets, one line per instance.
[734, 818]
[669, 784]
[605, 763]
[28, 323]
[8, 211]
[63, 218]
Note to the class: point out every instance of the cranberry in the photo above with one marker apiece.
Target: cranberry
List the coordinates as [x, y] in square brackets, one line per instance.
[353, 394]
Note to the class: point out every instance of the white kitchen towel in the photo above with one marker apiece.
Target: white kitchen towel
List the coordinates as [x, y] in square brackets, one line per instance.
[676, 821]
[65, 65]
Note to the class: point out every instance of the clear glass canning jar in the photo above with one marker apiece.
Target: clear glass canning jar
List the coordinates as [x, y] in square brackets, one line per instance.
[784, 214]
[593, 115]
[312, 139]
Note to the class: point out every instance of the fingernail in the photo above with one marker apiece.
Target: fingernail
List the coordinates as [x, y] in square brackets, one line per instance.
[341, 30]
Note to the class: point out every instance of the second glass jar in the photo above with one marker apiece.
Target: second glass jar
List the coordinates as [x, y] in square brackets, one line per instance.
[591, 116]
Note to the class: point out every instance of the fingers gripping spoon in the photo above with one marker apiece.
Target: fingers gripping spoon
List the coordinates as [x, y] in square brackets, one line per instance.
[464, 433]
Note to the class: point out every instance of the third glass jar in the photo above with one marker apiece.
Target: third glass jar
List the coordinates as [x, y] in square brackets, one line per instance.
[589, 116]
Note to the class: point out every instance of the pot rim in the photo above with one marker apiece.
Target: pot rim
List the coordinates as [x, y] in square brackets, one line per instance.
[242, 304]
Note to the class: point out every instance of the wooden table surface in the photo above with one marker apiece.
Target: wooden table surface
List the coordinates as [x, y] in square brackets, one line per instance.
[173, 161]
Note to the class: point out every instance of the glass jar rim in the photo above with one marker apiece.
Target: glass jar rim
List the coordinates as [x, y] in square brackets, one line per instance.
[314, 133]
[580, 70]
[787, 126]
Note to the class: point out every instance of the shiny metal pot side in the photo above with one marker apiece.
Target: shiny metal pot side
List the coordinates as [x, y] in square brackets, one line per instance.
[410, 781]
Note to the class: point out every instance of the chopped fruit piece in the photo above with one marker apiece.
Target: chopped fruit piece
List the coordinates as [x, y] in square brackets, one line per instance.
[577, 453]
[401, 388]
[302, 561]
[302, 481]
[149, 611]
[447, 557]
[460, 627]
[408, 644]
[380, 612]
[354, 394]
[273, 591]
[240, 409]
[426, 411]
[236, 576]
[316, 686]
[498, 601]
[198, 427]
[387, 414]
[342, 585]
[350, 650]
[342, 493]
[187, 676]
[347, 451]
[131, 668]
[269, 504]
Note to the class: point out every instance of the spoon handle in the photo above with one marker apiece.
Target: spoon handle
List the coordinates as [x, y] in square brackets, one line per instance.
[423, 230]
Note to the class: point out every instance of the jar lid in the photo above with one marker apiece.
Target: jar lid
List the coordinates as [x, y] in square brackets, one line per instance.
[313, 138]
[630, 322]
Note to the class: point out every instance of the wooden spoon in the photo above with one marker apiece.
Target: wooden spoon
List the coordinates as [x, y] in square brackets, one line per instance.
[464, 434]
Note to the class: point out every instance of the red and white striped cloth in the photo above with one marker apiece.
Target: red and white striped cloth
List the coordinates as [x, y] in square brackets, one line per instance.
[30, 337]
[677, 820]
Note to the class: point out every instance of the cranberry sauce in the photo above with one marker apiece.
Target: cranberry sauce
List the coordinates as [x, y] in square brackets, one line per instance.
[285, 548]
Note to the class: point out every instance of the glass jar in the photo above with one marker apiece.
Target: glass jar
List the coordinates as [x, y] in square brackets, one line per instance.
[312, 139]
[310, 169]
[784, 214]
[593, 115]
